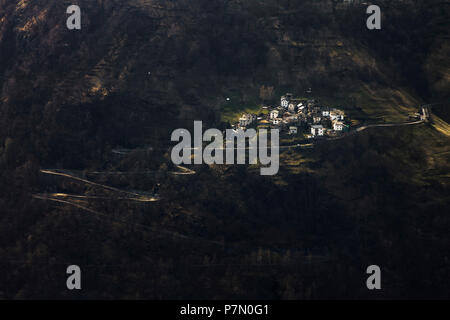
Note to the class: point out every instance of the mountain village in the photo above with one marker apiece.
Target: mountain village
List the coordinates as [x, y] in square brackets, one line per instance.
[296, 116]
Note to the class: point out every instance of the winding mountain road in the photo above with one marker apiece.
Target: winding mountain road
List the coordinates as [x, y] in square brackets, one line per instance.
[145, 197]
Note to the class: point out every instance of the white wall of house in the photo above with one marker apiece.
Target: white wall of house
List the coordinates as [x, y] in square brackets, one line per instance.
[274, 114]
[276, 121]
[246, 119]
[317, 130]
[338, 126]
[244, 122]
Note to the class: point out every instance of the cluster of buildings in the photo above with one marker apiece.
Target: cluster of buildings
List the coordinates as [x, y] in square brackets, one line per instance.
[295, 115]
[247, 119]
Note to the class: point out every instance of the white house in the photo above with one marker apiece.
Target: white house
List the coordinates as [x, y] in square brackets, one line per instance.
[338, 125]
[317, 130]
[284, 102]
[292, 130]
[277, 121]
[301, 109]
[246, 119]
[274, 114]
[243, 122]
[326, 112]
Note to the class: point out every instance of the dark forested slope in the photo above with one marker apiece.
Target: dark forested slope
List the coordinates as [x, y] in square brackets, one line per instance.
[139, 69]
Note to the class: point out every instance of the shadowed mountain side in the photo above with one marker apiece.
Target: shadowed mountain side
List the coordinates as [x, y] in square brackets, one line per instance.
[102, 101]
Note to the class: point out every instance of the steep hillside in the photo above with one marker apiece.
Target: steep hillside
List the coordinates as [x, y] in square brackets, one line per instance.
[99, 104]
